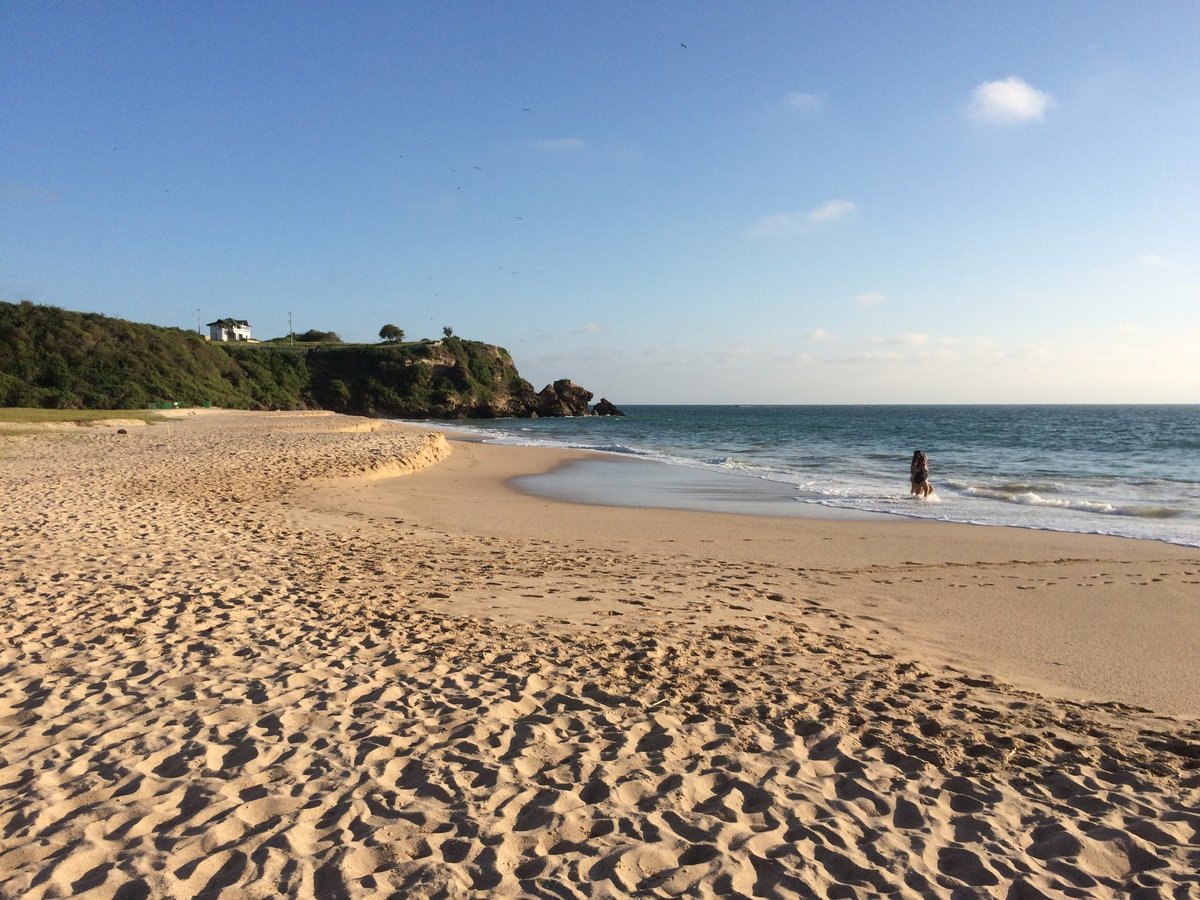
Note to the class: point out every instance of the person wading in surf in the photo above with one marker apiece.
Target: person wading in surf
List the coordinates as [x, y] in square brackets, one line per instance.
[919, 475]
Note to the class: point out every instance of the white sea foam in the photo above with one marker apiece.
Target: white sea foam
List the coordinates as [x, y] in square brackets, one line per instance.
[1098, 507]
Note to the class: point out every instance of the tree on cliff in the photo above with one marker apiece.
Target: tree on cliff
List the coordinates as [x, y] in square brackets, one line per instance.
[447, 331]
[313, 336]
[391, 334]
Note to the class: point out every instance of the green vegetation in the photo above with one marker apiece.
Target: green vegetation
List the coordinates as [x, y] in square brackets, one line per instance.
[55, 359]
[313, 336]
[449, 378]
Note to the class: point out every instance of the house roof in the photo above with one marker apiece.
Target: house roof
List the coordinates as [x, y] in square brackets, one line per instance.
[229, 323]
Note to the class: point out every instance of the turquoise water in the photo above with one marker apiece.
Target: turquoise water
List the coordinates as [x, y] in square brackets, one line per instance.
[1123, 470]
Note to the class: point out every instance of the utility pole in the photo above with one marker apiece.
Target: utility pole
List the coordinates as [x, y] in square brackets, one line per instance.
[291, 340]
[198, 331]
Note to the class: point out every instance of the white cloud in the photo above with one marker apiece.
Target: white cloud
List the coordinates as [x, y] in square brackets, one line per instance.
[593, 328]
[832, 211]
[1011, 101]
[906, 340]
[1152, 261]
[803, 102]
[819, 334]
[869, 298]
[789, 223]
[560, 145]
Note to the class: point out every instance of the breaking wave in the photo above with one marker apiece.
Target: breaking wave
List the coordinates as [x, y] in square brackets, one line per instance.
[1020, 495]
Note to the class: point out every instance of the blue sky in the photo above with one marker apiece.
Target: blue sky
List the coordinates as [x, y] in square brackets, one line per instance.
[809, 202]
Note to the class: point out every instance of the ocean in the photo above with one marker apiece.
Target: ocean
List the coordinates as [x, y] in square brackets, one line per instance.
[1132, 471]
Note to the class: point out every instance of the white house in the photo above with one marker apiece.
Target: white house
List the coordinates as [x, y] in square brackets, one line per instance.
[229, 330]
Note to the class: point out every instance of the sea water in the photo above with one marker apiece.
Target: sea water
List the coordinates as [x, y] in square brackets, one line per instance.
[1132, 471]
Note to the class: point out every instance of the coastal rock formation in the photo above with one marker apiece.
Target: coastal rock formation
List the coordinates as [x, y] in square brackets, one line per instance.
[51, 357]
[563, 398]
[605, 407]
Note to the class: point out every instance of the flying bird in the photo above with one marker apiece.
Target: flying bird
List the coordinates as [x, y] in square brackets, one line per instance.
[683, 45]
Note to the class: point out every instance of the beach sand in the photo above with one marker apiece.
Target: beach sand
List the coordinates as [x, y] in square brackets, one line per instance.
[288, 654]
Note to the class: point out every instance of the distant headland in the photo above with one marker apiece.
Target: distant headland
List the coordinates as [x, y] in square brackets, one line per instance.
[54, 358]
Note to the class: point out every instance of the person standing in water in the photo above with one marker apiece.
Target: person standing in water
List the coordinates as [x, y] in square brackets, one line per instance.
[919, 475]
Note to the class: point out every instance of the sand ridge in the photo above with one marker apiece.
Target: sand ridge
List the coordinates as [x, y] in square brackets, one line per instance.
[224, 672]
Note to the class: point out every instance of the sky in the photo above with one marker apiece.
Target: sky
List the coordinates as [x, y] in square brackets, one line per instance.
[667, 202]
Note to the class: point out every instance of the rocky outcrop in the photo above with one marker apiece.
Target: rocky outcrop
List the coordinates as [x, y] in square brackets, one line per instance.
[563, 398]
[447, 379]
[604, 407]
[566, 398]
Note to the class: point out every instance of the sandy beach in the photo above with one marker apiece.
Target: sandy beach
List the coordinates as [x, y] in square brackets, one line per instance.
[301, 654]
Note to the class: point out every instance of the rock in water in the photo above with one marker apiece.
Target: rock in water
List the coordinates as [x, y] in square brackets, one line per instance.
[563, 398]
[604, 407]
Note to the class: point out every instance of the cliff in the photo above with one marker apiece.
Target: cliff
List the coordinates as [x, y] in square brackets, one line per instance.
[447, 379]
[50, 357]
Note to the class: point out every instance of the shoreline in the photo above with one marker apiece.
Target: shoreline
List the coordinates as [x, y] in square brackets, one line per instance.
[904, 572]
[245, 655]
[609, 480]
[761, 465]
[770, 499]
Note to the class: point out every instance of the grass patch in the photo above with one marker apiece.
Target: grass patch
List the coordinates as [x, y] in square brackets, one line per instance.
[33, 415]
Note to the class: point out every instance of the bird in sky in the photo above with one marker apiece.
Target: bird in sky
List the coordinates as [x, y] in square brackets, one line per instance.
[683, 45]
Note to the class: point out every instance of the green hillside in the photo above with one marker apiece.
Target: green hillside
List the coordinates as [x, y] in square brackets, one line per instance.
[53, 358]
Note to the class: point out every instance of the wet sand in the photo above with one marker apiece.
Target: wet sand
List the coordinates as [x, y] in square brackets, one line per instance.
[310, 655]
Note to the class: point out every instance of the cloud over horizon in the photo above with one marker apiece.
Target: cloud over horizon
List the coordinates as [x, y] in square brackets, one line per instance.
[832, 211]
[789, 223]
[906, 340]
[1056, 367]
[1010, 101]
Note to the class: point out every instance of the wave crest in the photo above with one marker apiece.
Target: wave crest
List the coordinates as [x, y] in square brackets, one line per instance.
[1099, 507]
